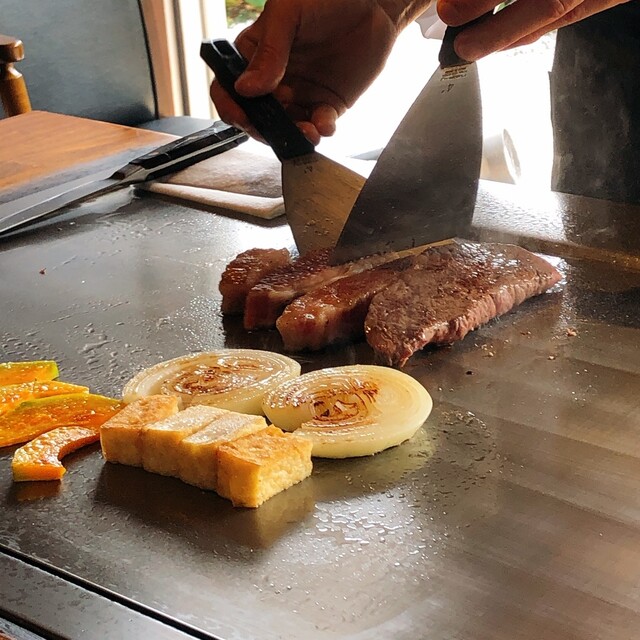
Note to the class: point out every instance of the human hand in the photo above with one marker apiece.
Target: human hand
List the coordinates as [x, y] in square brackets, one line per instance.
[522, 22]
[315, 57]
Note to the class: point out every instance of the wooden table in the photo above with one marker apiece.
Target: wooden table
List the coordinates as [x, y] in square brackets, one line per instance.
[37, 146]
[514, 514]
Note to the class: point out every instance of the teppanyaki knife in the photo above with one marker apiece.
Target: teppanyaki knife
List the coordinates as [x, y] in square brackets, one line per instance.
[318, 192]
[423, 188]
[166, 159]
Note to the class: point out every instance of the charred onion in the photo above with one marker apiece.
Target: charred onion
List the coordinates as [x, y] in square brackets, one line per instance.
[350, 411]
[233, 379]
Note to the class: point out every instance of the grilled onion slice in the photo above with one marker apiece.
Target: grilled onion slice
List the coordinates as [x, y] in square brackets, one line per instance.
[350, 411]
[233, 379]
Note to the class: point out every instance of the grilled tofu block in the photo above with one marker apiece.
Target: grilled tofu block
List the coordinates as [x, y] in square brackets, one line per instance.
[198, 453]
[254, 468]
[160, 451]
[121, 436]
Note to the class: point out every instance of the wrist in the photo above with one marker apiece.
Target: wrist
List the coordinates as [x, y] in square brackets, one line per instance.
[403, 12]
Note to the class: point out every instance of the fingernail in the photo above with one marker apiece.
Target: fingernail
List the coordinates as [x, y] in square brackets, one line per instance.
[326, 128]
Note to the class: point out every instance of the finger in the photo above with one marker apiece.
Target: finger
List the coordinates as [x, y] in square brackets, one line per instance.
[310, 132]
[459, 12]
[586, 9]
[510, 25]
[296, 112]
[324, 118]
[267, 66]
[230, 112]
[284, 93]
[291, 95]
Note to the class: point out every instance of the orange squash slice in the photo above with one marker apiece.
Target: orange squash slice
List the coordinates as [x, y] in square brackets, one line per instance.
[40, 458]
[12, 395]
[34, 417]
[36, 371]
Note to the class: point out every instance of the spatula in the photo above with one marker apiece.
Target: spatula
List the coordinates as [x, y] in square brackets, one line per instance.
[318, 192]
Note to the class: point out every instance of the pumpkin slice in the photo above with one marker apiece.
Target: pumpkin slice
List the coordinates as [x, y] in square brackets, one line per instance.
[34, 417]
[40, 458]
[36, 371]
[11, 395]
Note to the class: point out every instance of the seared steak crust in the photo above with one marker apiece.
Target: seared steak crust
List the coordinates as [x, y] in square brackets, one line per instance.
[450, 291]
[244, 272]
[336, 312]
[267, 299]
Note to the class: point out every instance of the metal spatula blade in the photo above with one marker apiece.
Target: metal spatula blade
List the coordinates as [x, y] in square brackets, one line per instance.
[424, 185]
[318, 192]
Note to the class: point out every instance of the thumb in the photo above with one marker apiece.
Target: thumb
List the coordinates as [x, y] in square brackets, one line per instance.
[271, 56]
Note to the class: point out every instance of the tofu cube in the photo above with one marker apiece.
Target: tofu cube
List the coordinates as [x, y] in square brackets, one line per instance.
[160, 452]
[121, 436]
[254, 468]
[198, 452]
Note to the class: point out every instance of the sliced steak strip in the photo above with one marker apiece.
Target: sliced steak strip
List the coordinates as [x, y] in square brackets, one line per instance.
[336, 312]
[244, 272]
[450, 291]
[267, 300]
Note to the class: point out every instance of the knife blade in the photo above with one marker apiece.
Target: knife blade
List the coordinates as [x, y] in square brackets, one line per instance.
[165, 159]
[423, 188]
[318, 192]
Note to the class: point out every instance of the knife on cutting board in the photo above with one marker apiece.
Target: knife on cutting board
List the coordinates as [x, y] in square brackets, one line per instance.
[424, 186]
[318, 192]
[162, 161]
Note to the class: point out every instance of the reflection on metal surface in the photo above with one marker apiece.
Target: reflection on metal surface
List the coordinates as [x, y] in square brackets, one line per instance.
[28, 491]
[558, 224]
[200, 517]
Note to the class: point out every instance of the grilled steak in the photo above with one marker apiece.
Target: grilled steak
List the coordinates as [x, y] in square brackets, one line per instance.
[450, 291]
[266, 300]
[336, 312]
[245, 271]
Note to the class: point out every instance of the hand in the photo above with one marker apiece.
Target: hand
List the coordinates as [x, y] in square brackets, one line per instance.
[520, 23]
[316, 57]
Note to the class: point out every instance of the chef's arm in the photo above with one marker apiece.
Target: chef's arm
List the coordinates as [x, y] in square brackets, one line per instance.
[522, 22]
[316, 57]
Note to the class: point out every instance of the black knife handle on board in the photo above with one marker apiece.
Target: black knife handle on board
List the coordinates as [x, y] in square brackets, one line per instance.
[448, 56]
[265, 113]
[190, 149]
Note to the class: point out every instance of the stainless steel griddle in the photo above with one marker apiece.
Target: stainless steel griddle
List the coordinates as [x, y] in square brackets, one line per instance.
[514, 513]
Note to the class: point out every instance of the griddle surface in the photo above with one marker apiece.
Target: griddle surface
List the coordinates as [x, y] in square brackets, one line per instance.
[514, 513]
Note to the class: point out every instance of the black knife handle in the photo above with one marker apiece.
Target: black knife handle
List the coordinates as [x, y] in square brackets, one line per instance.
[209, 138]
[265, 113]
[448, 56]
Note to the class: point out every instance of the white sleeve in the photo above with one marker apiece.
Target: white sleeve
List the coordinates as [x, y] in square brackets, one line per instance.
[430, 24]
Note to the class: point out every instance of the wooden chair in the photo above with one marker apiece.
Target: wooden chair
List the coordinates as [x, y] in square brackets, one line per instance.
[13, 90]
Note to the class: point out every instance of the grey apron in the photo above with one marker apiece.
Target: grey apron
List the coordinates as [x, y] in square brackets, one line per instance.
[595, 103]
